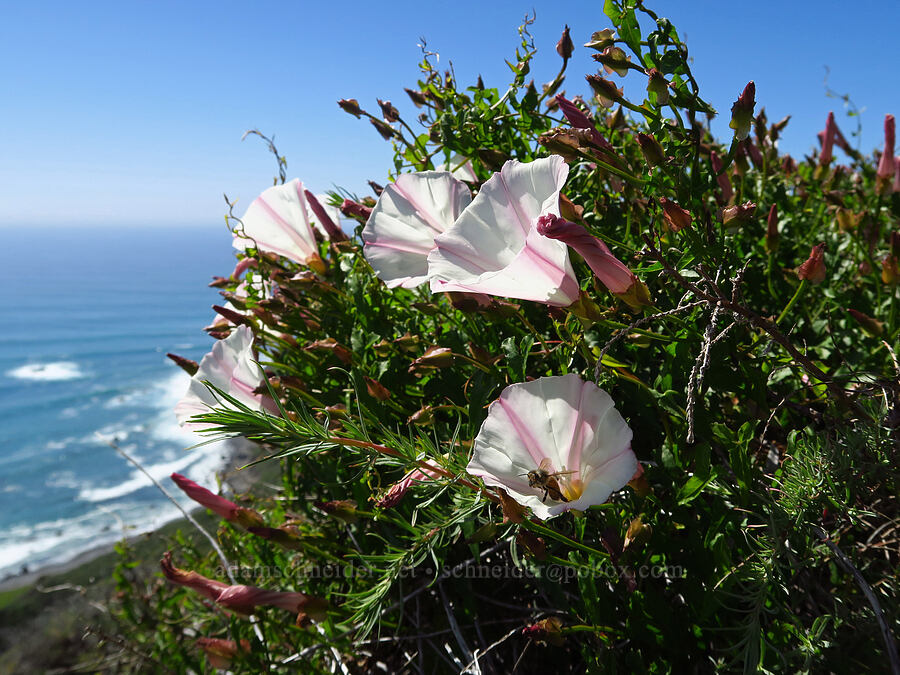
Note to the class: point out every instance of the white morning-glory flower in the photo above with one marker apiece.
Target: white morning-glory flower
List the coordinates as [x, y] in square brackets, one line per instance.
[494, 248]
[230, 368]
[280, 221]
[564, 425]
[410, 213]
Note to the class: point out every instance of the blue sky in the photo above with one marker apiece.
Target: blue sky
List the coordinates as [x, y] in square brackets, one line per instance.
[131, 113]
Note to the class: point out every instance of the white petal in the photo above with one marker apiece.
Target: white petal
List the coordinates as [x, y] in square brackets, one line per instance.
[278, 221]
[460, 168]
[493, 247]
[565, 419]
[409, 214]
[230, 367]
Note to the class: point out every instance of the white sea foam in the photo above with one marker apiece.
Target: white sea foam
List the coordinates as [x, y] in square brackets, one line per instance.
[47, 372]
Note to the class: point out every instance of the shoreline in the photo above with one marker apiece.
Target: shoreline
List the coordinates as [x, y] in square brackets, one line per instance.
[236, 453]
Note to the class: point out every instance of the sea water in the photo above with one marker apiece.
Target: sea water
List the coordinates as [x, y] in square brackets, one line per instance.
[88, 315]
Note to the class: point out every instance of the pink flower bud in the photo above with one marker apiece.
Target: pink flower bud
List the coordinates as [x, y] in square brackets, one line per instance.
[651, 149]
[609, 270]
[872, 327]
[606, 92]
[565, 47]
[827, 140]
[244, 599]
[242, 266]
[356, 210]
[208, 588]
[334, 232]
[221, 653]
[580, 120]
[725, 191]
[187, 365]
[885, 172]
[219, 505]
[742, 112]
[889, 272]
[388, 111]
[657, 84]
[813, 270]
[676, 217]
[351, 106]
[395, 492]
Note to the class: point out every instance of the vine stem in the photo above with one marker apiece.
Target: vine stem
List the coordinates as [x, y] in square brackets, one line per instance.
[787, 308]
[553, 534]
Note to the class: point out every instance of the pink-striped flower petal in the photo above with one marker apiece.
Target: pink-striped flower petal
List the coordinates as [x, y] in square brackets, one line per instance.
[230, 368]
[278, 221]
[494, 248]
[410, 213]
[565, 425]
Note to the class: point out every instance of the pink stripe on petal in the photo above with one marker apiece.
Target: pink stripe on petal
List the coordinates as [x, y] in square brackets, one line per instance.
[522, 431]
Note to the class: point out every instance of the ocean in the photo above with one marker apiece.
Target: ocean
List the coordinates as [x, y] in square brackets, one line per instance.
[88, 316]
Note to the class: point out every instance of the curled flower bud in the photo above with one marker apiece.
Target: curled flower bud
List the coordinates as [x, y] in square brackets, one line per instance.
[221, 653]
[738, 215]
[772, 235]
[676, 217]
[208, 588]
[388, 111]
[395, 492]
[601, 39]
[331, 229]
[658, 85]
[351, 106]
[614, 60]
[433, 358]
[725, 191]
[742, 112]
[827, 140]
[417, 97]
[871, 327]
[386, 130]
[885, 172]
[187, 365]
[332, 345]
[547, 631]
[377, 390]
[620, 280]
[813, 270]
[651, 149]
[342, 509]
[606, 92]
[565, 47]
[356, 210]
[889, 272]
[222, 507]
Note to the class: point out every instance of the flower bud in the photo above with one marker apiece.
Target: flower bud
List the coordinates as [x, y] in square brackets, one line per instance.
[187, 365]
[220, 653]
[614, 60]
[376, 188]
[725, 191]
[388, 111]
[222, 507]
[407, 342]
[285, 536]
[772, 235]
[738, 215]
[871, 327]
[377, 390]
[342, 509]
[386, 130]
[433, 358]
[423, 417]
[546, 631]
[637, 534]
[827, 137]
[219, 282]
[334, 232]
[601, 39]
[676, 217]
[658, 85]
[351, 106]
[651, 149]
[606, 92]
[356, 210]
[813, 270]
[532, 543]
[885, 173]
[889, 272]
[417, 97]
[565, 47]
[332, 345]
[742, 112]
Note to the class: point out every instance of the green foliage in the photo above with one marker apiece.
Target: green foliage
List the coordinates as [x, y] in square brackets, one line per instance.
[766, 419]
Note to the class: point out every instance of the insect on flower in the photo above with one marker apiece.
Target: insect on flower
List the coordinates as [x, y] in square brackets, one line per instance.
[545, 478]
